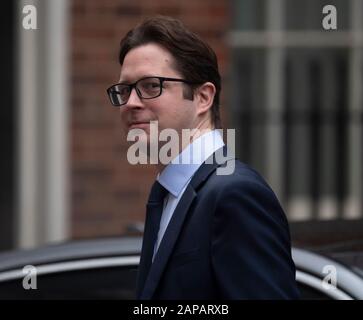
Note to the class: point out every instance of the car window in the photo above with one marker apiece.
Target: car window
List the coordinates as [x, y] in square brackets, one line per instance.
[102, 283]
[309, 293]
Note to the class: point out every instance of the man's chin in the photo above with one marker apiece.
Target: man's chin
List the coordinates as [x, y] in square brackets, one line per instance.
[142, 126]
[138, 132]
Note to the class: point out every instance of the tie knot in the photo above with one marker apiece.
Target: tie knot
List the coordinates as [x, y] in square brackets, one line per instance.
[157, 193]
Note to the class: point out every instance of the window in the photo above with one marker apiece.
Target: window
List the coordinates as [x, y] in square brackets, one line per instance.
[297, 103]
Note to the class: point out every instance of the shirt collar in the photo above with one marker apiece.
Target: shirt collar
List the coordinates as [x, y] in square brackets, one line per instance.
[178, 173]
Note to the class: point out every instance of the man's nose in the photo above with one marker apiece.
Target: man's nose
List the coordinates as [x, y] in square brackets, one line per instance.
[134, 100]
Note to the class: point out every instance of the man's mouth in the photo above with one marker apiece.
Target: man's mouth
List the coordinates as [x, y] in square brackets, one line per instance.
[139, 124]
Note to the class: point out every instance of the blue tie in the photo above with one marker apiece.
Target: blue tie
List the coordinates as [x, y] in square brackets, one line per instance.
[154, 210]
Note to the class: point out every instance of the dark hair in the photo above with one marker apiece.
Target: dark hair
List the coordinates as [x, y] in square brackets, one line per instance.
[194, 59]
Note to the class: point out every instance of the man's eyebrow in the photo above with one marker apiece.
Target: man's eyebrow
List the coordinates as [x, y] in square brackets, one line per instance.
[127, 80]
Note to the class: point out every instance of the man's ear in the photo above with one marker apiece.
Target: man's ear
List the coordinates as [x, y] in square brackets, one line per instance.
[204, 96]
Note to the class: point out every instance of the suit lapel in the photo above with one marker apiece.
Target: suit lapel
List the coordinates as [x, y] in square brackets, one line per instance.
[173, 230]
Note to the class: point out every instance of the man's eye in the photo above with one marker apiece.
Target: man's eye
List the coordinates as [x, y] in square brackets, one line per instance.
[124, 90]
[151, 85]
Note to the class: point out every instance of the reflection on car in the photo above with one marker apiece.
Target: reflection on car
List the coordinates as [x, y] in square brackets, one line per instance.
[107, 269]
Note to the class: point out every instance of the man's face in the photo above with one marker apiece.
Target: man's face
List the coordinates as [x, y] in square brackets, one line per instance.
[170, 109]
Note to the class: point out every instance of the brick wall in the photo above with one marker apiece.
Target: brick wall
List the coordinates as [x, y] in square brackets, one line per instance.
[108, 193]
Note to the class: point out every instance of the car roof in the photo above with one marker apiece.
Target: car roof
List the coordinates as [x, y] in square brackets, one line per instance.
[321, 265]
[309, 264]
[69, 251]
[348, 253]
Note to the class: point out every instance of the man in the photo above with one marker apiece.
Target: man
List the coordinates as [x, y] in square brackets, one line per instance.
[219, 236]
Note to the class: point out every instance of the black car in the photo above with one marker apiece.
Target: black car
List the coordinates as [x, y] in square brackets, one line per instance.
[107, 268]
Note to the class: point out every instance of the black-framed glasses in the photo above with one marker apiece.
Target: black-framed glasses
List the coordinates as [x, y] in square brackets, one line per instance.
[146, 88]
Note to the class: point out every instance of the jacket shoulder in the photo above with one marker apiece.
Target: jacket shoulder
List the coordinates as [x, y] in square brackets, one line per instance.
[243, 176]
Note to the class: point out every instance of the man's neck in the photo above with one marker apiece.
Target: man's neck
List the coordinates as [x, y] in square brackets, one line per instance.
[197, 132]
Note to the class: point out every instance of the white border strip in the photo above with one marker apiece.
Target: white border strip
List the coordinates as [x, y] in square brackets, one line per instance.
[43, 213]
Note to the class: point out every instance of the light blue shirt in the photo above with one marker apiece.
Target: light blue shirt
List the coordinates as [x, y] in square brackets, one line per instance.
[176, 175]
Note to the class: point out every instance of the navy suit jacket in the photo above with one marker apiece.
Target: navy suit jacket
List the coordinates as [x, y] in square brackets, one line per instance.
[227, 239]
